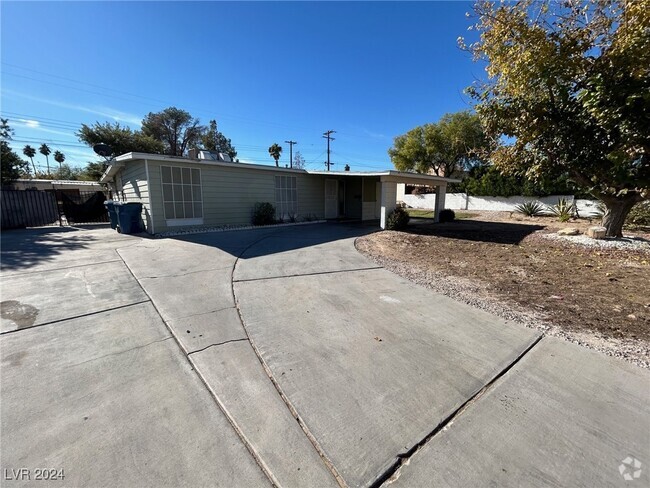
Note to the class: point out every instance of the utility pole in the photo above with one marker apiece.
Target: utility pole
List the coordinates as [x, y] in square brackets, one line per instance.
[328, 135]
[291, 143]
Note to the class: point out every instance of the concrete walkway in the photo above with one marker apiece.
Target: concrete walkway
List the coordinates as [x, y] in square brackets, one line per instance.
[285, 357]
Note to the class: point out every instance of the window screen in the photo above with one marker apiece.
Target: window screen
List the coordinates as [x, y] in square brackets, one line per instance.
[286, 198]
[182, 196]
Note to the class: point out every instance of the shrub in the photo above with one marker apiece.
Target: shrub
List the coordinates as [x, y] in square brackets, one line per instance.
[639, 216]
[263, 214]
[563, 209]
[397, 219]
[447, 215]
[530, 209]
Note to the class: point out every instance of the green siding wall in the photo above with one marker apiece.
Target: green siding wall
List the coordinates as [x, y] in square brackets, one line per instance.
[135, 188]
[229, 192]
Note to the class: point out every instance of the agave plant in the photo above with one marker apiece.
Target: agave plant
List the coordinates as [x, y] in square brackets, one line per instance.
[530, 209]
[564, 209]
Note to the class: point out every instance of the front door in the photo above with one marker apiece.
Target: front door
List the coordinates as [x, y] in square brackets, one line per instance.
[331, 199]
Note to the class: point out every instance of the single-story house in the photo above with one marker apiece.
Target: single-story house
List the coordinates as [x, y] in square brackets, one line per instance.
[202, 189]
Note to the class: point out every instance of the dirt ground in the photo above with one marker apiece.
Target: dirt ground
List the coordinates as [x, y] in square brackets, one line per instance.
[577, 288]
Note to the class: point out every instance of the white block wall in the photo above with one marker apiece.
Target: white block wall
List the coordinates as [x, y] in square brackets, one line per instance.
[460, 201]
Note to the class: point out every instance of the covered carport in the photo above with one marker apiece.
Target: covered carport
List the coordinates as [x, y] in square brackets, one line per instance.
[373, 195]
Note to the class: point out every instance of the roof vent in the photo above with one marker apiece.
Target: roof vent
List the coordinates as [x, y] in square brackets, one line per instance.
[214, 156]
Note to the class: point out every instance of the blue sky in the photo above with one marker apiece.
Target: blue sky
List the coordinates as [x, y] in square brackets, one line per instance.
[266, 71]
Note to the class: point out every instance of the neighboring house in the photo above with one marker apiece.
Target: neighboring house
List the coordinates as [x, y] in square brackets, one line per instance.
[200, 190]
[82, 186]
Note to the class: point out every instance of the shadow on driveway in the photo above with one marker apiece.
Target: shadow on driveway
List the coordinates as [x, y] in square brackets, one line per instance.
[23, 249]
[284, 239]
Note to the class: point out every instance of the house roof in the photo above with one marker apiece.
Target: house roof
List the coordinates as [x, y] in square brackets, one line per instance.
[120, 161]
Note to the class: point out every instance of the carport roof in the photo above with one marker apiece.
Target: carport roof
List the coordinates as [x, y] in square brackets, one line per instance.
[391, 175]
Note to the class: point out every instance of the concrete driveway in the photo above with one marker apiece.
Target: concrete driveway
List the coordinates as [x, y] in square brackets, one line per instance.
[282, 356]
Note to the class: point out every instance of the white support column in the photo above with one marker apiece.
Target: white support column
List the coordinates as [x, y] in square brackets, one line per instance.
[441, 192]
[388, 201]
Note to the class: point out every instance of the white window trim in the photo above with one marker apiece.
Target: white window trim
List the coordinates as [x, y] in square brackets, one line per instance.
[277, 204]
[179, 222]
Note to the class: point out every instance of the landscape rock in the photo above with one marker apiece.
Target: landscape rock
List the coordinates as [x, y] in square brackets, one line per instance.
[596, 232]
[568, 231]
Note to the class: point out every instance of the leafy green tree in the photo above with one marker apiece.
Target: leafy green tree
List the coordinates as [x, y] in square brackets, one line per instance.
[569, 87]
[215, 141]
[175, 128]
[66, 172]
[30, 152]
[59, 157]
[298, 161]
[93, 171]
[488, 180]
[453, 143]
[275, 151]
[46, 151]
[121, 139]
[11, 166]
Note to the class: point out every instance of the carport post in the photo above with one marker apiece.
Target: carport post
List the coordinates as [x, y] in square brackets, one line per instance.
[388, 201]
[441, 192]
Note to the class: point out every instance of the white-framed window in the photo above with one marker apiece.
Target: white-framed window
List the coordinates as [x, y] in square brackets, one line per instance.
[286, 196]
[182, 193]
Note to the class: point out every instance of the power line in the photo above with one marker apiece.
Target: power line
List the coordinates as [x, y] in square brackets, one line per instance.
[328, 135]
[291, 143]
[149, 102]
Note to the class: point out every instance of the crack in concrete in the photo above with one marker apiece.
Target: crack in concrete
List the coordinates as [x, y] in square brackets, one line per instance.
[177, 275]
[403, 459]
[121, 352]
[370, 268]
[217, 344]
[202, 313]
[294, 412]
[74, 317]
[260, 463]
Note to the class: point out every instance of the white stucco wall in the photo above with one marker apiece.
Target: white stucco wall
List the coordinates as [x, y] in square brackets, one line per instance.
[460, 201]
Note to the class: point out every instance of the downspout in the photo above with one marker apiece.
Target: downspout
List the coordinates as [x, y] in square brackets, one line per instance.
[146, 168]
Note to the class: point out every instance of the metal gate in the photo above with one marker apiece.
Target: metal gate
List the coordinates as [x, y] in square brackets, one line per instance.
[78, 207]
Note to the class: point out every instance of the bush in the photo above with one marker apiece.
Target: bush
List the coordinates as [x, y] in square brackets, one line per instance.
[639, 216]
[447, 215]
[263, 214]
[397, 219]
[530, 209]
[487, 180]
[563, 210]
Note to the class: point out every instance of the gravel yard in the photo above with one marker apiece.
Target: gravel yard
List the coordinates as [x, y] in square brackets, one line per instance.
[595, 293]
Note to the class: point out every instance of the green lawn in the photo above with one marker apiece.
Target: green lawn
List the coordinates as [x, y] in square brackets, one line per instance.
[428, 214]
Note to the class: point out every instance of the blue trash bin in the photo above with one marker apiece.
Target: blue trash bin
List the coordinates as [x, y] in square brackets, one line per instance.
[112, 213]
[129, 220]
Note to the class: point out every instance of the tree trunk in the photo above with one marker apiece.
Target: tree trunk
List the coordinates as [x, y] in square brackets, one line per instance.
[616, 212]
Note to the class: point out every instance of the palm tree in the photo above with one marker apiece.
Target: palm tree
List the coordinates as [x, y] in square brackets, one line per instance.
[46, 151]
[59, 157]
[275, 150]
[30, 152]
